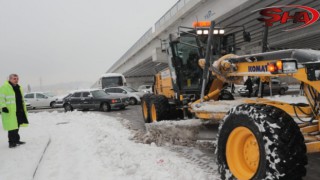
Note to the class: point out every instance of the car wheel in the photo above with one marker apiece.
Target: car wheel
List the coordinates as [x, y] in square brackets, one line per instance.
[226, 95]
[133, 101]
[105, 107]
[282, 91]
[52, 104]
[68, 107]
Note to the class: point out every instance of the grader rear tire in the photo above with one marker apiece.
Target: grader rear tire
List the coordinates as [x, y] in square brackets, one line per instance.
[260, 142]
[159, 108]
[145, 105]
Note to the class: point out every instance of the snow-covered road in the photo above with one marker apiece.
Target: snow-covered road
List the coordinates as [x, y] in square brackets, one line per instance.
[89, 146]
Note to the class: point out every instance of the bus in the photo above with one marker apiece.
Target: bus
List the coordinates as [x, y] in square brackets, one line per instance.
[111, 80]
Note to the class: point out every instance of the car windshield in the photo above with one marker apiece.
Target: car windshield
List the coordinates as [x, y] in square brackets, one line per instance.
[129, 89]
[112, 81]
[99, 94]
[66, 96]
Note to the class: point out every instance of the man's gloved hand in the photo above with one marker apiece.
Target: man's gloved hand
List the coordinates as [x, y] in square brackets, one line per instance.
[5, 110]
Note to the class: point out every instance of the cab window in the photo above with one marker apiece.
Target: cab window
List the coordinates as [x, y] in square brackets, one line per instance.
[187, 63]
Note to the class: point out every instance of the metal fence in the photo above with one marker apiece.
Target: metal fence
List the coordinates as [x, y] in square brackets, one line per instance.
[170, 13]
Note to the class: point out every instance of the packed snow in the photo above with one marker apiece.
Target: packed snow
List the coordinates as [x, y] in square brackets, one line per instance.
[89, 146]
[167, 133]
[289, 99]
[225, 106]
[216, 106]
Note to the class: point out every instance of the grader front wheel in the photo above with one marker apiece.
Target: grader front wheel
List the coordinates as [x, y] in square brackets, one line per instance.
[260, 142]
[159, 108]
[145, 105]
[242, 153]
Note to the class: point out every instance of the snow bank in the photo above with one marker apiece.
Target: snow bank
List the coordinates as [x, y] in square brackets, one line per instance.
[93, 146]
[165, 133]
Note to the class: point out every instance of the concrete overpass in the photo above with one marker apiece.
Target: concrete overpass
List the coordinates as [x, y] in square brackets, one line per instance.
[145, 57]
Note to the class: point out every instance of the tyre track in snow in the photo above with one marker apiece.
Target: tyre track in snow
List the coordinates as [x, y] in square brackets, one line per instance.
[41, 158]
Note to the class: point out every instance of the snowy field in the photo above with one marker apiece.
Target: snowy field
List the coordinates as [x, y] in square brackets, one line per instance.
[91, 146]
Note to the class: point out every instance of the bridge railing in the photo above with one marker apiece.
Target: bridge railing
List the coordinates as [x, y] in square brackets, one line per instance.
[170, 13]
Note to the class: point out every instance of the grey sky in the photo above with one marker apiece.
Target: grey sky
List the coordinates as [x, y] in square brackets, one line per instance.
[70, 40]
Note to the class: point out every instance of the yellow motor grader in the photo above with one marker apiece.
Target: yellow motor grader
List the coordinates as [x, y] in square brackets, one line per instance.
[258, 138]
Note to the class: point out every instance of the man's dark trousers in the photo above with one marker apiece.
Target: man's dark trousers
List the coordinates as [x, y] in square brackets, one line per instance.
[14, 136]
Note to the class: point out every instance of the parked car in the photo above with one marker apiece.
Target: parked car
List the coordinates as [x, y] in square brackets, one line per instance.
[94, 99]
[39, 100]
[28, 105]
[145, 88]
[278, 87]
[134, 95]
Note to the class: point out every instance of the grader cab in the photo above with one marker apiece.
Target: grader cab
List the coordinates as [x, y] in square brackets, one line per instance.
[181, 83]
[258, 138]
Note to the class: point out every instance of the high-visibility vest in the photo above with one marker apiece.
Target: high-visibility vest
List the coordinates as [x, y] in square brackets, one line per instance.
[8, 100]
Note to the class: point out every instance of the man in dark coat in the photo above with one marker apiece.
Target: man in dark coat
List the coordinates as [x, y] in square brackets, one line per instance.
[249, 86]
